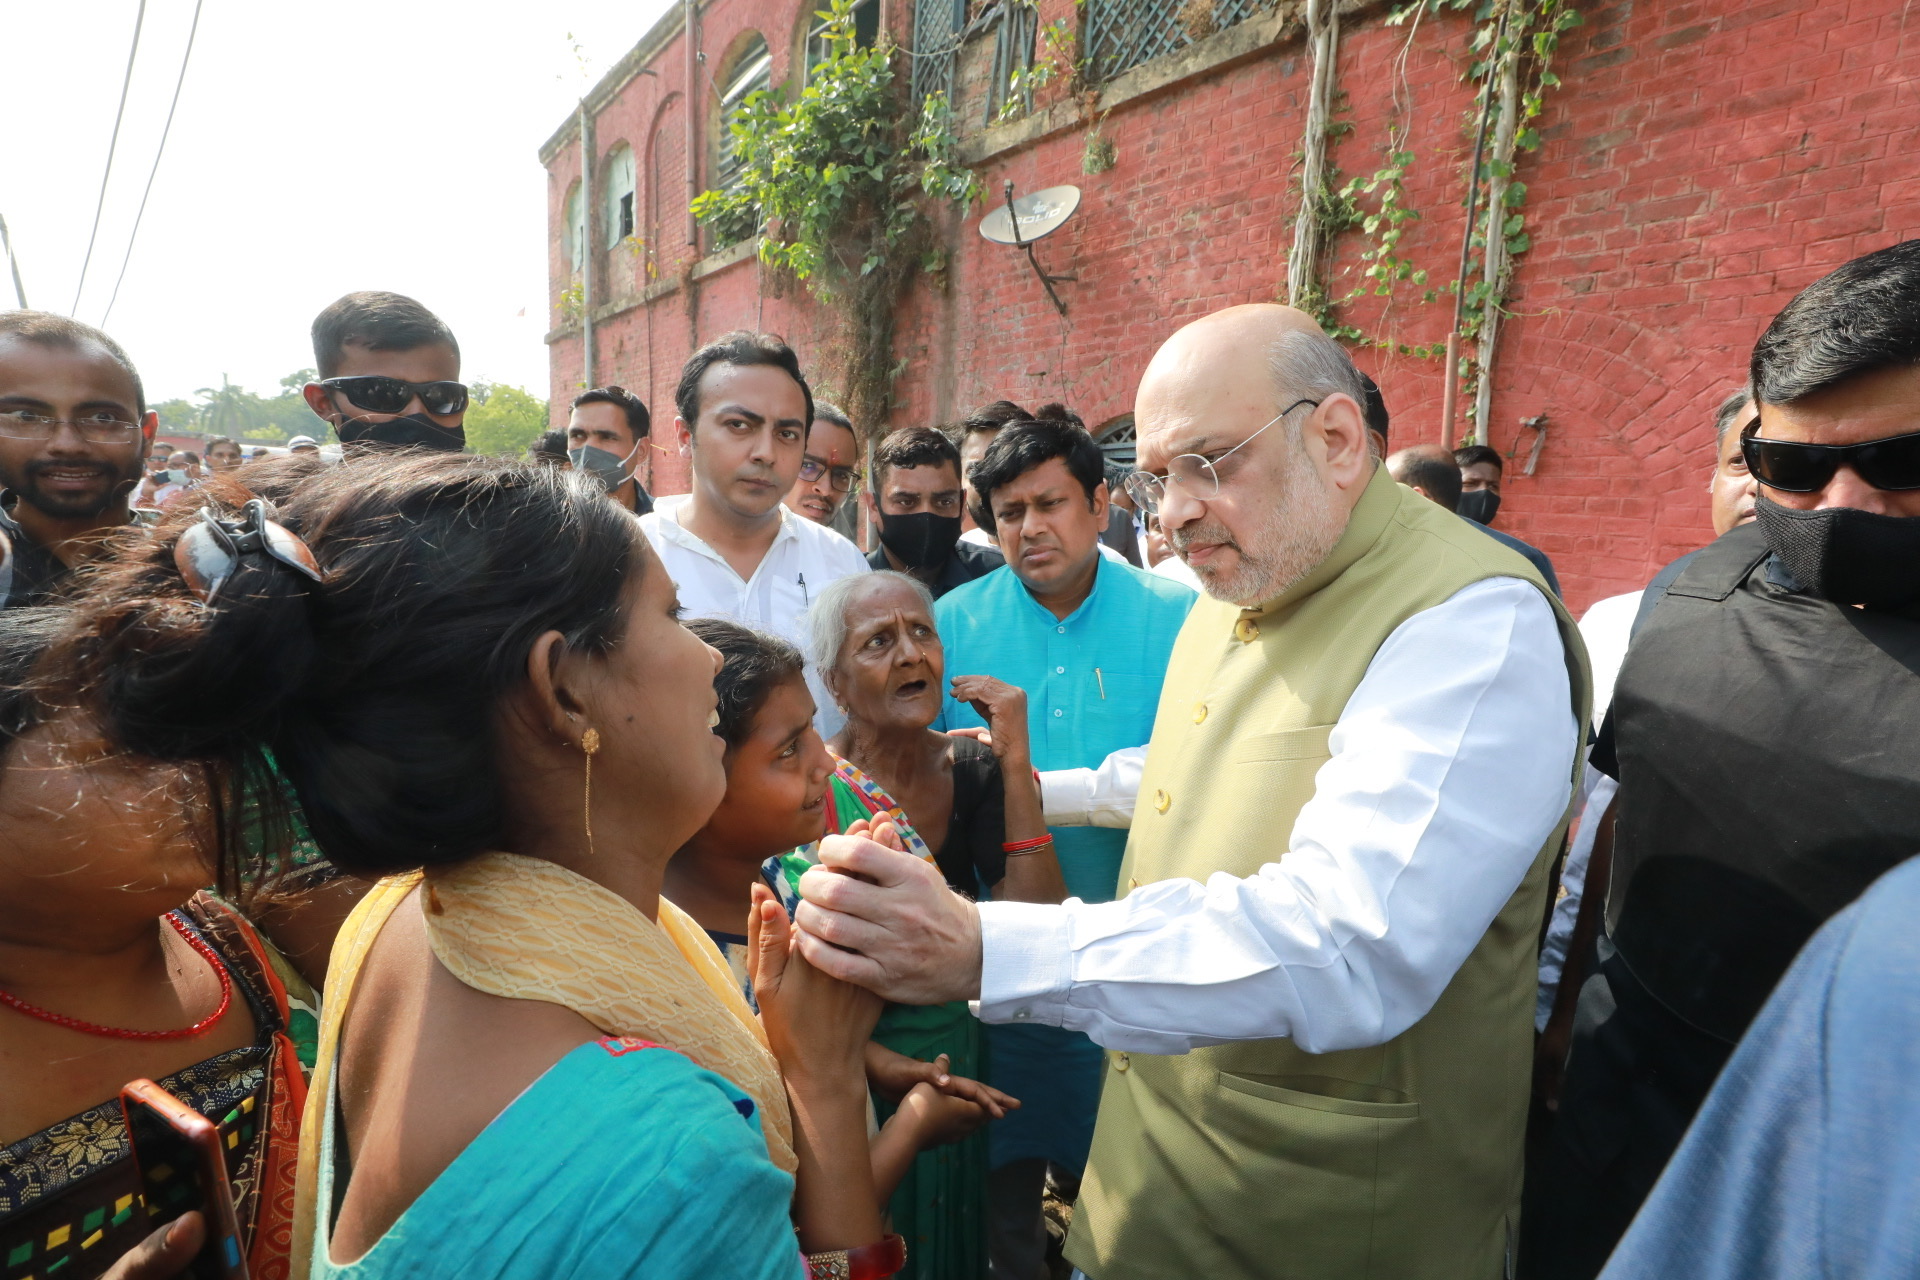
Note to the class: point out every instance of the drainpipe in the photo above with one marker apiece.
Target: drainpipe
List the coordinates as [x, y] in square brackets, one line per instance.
[690, 32]
[586, 257]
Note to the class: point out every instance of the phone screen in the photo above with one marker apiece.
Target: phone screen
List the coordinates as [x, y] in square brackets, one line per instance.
[173, 1171]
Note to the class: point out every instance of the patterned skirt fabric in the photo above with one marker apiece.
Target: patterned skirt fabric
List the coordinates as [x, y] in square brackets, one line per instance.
[72, 1199]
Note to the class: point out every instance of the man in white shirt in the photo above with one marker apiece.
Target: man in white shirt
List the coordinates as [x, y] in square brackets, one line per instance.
[732, 549]
[1337, 870]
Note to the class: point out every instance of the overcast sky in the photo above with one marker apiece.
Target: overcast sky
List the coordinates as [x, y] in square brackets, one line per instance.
[318, 148]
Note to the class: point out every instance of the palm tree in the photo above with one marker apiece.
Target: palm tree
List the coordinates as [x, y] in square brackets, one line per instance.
[227, 410]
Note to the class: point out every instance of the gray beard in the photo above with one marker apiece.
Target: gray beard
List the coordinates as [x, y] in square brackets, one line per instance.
[1276, 554]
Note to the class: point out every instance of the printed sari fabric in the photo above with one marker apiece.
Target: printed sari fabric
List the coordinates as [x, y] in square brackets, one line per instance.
[851, 797]
[71, 1197]
[940, 1206]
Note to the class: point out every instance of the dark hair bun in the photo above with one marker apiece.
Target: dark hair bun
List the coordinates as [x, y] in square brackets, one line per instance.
[373, 694]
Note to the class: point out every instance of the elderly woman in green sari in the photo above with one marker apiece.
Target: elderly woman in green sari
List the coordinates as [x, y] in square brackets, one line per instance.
[971, 808]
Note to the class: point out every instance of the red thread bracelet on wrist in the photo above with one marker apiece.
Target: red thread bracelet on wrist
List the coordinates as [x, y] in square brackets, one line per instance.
[876, 1261]
[1026, 846]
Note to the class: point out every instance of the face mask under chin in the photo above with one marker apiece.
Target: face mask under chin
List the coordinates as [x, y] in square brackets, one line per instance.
[415, 431]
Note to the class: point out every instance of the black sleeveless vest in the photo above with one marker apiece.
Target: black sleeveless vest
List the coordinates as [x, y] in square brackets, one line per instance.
[1768, 744]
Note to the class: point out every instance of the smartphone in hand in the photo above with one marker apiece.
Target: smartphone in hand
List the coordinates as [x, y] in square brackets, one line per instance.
[182, 1167]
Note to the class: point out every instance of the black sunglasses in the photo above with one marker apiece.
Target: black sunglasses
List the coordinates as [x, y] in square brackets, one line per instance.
[377, 393]
[1792, 467]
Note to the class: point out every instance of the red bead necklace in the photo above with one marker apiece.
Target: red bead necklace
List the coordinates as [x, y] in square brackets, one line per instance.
[120, 1033]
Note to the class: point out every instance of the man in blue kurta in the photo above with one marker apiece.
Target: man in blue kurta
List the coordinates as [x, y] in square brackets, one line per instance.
[1088, 639]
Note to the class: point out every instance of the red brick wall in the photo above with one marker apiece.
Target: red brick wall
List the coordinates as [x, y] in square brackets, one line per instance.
[1704, 160]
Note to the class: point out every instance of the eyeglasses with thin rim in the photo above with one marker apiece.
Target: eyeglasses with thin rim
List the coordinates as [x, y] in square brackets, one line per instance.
[1195, 471]
[844, 479]
[95, 428]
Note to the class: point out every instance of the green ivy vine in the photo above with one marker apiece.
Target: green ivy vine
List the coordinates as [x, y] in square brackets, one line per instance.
[1516, 38]
[841, 183]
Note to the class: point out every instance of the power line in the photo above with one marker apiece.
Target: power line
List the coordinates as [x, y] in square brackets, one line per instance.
[126, 82]
[158, 152]
[6, 242]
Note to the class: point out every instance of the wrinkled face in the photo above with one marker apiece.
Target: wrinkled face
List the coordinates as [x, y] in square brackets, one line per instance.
[600, 425]
[1731, 492]
[88, 832]
[1481, 475]
[64, 475]
[224, 457]
[1871, 406]
[651, 698]
[830, 447]
[891, 665]
[776, 779]
[750, 438]
[906, 491]
[1275, 515]
[1047, 527]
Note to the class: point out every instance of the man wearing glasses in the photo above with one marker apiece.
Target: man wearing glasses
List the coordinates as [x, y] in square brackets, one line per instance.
[74, 434]
[1765, 731]
[389, 375]
[915, 502]
[829, 469]
[1316, 992]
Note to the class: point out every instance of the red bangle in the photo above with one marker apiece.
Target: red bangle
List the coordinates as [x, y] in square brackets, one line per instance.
[1026, 846]
[876, 1261]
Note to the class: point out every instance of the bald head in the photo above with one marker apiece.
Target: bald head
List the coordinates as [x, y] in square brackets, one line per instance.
[1272, 408]
[1429, 471]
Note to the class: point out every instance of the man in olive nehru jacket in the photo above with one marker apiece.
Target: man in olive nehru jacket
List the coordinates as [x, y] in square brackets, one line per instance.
[1317, 993]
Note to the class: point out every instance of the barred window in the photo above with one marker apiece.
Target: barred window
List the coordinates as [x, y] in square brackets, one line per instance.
[1122, 34]
[752, 73]
[937, 25]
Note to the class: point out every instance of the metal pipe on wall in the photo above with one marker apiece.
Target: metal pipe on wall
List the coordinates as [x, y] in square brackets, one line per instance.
[690, 32]
[587, 249]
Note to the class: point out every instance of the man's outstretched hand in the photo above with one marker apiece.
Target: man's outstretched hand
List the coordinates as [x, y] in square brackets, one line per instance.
[887, 921]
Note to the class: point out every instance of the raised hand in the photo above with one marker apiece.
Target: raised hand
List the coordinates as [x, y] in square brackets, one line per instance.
[887, 921]
[1004, 708]
[814, 1022]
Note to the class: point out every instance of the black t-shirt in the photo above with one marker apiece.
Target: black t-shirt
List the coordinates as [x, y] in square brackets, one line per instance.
[33, 573]
[971, 857]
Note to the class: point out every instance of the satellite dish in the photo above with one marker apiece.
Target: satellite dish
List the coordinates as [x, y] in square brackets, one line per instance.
[1020, 222]
[1031, 217]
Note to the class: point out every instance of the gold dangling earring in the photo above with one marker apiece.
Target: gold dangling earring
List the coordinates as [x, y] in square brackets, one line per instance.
[589, 743]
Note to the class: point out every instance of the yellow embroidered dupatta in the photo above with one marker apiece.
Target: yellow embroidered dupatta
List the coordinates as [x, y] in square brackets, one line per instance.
[530, 930]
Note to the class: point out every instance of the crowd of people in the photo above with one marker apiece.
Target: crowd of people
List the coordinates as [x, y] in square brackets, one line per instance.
[1237, 862]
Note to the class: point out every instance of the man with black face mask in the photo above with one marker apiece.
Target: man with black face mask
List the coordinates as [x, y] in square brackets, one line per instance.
[1765, 730]
[389, 375]
[606, 438]
[914, 501]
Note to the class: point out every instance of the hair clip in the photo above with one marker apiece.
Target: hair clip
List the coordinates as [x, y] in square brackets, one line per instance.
[208, 553]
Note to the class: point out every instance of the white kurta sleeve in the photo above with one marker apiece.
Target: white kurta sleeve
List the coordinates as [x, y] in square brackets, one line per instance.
[1451, 765]
[1099, 797]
